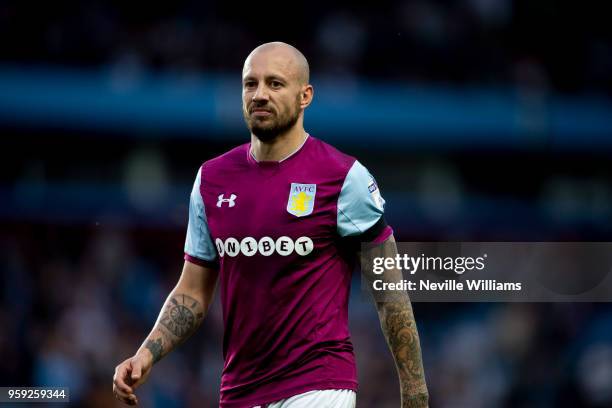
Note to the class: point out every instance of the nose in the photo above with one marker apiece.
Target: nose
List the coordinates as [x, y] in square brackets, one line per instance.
[261, 94]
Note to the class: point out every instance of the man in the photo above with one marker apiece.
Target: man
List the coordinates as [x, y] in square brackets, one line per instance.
[277, 220]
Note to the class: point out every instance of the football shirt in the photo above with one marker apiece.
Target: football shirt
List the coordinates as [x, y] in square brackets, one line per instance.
[278, 232]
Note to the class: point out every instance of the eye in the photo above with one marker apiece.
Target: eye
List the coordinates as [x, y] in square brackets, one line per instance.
[276, 84]
[250, 84]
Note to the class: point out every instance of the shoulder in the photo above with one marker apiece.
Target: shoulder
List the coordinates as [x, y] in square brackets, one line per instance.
[232, 159]
[331, 157]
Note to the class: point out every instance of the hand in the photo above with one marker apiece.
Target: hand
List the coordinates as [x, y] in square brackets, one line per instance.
[130, 374]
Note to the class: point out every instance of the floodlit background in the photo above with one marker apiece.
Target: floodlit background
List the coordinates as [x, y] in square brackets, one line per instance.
[482, 120]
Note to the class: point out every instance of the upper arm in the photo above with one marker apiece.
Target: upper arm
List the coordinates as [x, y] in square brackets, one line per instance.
[199, 247]
[360, 205]
[200, 270]
[199, 281]
[386, 249]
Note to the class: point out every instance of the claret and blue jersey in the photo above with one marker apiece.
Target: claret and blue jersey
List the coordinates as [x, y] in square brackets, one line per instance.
[277, 231]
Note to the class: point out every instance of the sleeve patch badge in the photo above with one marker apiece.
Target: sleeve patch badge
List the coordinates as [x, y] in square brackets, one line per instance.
[376, 197]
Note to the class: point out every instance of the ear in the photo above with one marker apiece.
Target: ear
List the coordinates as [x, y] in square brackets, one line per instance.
[306, 95]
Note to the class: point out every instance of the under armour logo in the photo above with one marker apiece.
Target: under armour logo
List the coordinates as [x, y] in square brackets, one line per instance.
[231, 200]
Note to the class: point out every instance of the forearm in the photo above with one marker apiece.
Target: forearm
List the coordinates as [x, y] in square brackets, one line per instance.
[399, 327]
[180, 316]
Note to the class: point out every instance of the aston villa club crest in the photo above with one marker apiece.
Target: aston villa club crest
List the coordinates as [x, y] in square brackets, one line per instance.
[301, 199]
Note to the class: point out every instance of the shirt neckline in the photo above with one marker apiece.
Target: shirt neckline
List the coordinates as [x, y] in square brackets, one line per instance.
[251, 158]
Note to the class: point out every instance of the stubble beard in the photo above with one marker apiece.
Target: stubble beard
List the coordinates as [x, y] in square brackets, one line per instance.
[269, 129]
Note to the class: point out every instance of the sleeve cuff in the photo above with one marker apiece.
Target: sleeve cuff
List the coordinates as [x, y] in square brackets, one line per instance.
[201, 262]
[384, 234]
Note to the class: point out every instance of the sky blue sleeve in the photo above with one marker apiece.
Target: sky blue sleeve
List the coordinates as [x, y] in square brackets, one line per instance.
[360, 204]
[198, 243]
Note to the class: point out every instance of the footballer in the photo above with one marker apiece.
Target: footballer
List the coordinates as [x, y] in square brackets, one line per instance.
[273, 223]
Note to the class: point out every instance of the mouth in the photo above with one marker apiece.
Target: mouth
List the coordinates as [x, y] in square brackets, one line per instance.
[260, 109]
[261, 112]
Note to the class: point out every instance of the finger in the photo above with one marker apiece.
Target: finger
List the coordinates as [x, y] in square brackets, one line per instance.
[125, 397]
[119, 380]
[133, 400]
[129, 399]
[136, 370]
[123, 387]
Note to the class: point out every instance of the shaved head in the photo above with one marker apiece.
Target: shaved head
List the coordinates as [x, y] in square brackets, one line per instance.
[275, 90]
[296, 63]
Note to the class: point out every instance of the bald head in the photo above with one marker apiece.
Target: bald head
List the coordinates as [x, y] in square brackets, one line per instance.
[275, 91]
[293, 61]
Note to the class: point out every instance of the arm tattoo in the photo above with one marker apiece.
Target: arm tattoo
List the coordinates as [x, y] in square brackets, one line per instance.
[179, 319]
[400, 330]
[156, 349]
[182, 315]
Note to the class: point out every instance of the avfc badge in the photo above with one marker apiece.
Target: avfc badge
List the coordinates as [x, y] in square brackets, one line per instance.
[301, 199]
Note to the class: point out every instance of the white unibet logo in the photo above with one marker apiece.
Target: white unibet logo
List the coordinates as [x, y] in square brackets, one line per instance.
[284, 246]
[303, 246]
[231, 200]
[232, 246]
[266, 246]
[248, 246]
[220, 246]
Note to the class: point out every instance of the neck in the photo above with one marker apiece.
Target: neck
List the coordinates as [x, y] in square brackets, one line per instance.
[280, 147]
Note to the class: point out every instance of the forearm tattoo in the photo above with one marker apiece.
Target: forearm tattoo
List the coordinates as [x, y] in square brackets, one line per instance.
[156, 349]
[400, 330]
[399, 327]
[180, 317]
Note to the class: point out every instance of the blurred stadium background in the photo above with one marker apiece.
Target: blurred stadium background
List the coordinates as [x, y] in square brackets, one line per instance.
[481, 119]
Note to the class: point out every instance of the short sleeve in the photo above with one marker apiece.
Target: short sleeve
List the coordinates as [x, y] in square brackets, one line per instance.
[360, 204]
[199, 248]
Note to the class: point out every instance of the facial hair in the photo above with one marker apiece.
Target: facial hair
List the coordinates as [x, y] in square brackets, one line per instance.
[267, 132]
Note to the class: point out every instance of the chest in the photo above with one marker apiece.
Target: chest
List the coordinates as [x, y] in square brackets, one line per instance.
[273, 205]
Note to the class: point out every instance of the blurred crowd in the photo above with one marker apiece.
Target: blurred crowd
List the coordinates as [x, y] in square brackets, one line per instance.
[92, 223]
[91, 246]
[74, 302]
[557, 44]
